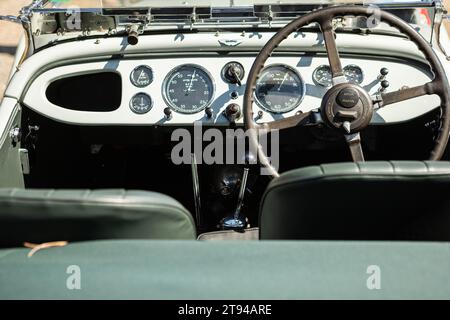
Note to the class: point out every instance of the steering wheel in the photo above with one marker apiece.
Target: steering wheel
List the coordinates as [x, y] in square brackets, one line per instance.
[346, 107]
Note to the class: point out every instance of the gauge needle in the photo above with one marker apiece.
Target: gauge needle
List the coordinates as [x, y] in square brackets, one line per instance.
[142, 77]
[282, 81]
[190, 83]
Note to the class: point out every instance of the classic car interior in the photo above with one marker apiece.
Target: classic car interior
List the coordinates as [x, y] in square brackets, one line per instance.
[361, 116]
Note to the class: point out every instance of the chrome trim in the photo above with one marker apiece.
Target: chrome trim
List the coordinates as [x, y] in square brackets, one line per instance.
[237, 220]
[196, 188]
[260, 104]
[440, 16]
[169, 75]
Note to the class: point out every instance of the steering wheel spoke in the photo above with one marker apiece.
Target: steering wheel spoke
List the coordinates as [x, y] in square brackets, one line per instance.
[289, 122]
[408, 93]
[354, 144]
[333, 54]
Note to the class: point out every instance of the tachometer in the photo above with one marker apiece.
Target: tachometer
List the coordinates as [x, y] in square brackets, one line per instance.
[188, 89]
[279, 89]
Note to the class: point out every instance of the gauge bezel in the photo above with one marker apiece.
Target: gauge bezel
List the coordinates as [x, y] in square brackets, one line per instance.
[141, 66]
[169, 75]
[261, 105]
[139, 94]
[317, 82]
[354, 66]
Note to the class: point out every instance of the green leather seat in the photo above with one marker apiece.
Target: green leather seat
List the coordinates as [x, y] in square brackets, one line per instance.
[39, 216]
[399, 200]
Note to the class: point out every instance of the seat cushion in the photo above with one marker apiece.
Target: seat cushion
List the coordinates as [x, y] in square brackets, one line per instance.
[399, 200]
[52, 215]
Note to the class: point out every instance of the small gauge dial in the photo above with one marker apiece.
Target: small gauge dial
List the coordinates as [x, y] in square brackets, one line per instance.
[353, 74]
[141, 76]
[279, 89]
[322, 75]
[141, 103]
[188, 89]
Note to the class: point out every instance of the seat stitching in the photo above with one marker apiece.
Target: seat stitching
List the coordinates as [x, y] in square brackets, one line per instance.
[322, 171]
[391, 164]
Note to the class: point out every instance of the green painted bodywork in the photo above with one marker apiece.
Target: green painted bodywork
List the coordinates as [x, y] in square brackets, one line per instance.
[229, 270]
[10, 166]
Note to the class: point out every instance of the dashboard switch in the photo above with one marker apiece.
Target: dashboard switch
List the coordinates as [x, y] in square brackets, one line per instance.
[233, 72]
[232, 112]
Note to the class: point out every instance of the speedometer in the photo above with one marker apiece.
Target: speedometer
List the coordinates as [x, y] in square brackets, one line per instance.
[279, 89]
[188, 89]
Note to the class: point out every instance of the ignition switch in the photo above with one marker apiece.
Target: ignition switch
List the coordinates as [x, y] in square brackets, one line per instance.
[233, 72]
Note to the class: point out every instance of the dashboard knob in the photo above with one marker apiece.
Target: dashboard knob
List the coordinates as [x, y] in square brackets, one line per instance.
[168, 113]
[383, 73]
[209, 112]
[133, 35]
[384, 85]
[232, 112]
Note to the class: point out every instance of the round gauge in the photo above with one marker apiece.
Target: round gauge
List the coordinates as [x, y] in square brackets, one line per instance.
[353, 74]
[141, 76]
[279, 89]
[322, 75]
[188, 89]
[141, 103]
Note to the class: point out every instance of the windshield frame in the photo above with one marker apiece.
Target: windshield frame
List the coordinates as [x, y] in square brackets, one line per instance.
[167, 19]
[101, 4]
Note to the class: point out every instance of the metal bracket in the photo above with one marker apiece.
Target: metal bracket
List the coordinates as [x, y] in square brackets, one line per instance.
[11, 19]
[24, 160]
[16, 136]
[440, 17]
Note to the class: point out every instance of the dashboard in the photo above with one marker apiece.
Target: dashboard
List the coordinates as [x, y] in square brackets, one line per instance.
[182, 89]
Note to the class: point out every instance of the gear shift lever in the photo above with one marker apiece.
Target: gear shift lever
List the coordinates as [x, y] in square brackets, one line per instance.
[237, 221]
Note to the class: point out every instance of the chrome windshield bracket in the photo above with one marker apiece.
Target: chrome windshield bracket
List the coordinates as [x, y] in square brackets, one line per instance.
[440, 17]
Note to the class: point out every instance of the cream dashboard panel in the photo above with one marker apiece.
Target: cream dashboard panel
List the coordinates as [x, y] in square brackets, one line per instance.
[401, 74]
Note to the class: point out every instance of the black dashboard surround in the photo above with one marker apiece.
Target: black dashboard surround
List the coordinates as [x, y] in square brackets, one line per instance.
[95, 92]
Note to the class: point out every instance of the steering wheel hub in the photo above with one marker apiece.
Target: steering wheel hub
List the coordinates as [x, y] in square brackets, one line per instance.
[347, 103]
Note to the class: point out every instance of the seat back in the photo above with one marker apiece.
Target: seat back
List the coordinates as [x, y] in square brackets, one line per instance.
[360, 201]
[39, 216]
